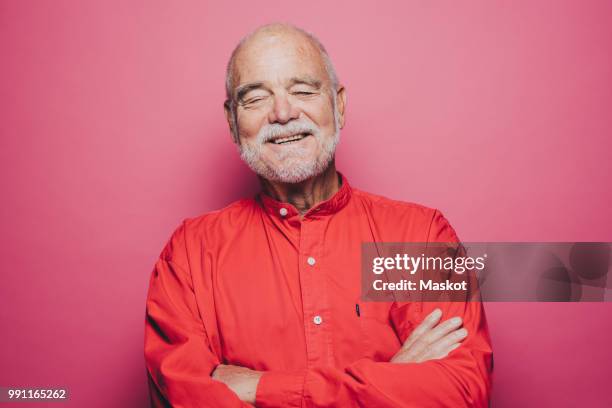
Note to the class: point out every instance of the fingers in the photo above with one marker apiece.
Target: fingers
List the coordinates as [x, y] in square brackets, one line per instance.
[425, 341]
[443, 347]
[426, 325]
[451, 339]
[429, 341]
[422, 351]
[442, 330]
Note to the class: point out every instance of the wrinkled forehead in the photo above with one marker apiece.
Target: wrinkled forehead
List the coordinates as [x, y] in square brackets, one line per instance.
[276, 58]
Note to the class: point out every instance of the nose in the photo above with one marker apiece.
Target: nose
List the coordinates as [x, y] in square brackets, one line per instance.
[283, 110]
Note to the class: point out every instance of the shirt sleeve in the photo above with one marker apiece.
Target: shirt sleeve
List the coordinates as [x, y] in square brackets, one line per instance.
[462, 379]
[178, 355]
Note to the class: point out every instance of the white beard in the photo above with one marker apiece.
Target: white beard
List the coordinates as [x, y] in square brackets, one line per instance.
[292, 168]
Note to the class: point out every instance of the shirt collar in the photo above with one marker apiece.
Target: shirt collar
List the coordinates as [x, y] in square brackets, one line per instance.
[328, 207]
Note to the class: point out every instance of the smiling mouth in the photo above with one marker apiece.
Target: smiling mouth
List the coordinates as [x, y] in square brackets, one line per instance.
[289, 139]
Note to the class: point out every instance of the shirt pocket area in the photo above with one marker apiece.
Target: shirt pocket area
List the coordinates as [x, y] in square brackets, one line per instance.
[378, 337]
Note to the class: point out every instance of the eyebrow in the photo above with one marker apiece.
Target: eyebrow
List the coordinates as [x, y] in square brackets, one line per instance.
[315, 83]
[242, 90]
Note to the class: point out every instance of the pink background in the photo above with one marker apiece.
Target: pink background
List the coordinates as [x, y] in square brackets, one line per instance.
[497, 113]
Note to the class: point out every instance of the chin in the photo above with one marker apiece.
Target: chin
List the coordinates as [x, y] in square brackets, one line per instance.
[294, 171]
[296, 166]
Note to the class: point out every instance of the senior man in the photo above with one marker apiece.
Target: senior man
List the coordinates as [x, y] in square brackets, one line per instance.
[259, 302]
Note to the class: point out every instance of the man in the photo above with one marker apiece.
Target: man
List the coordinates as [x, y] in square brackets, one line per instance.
[259, 302]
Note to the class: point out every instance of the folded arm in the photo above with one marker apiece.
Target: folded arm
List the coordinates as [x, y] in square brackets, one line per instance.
[178, 355]
[460, 379]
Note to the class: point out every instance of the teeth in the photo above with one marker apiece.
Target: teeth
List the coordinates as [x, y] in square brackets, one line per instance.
[289, 139]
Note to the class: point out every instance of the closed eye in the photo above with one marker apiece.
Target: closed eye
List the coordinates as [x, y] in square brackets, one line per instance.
[252, 101]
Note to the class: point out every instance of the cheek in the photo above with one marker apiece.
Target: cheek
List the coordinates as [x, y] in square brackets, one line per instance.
[249, 124]
[323, 116]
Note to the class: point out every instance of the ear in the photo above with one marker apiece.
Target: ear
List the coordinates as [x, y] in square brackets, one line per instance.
[230, 120]
[341, 101]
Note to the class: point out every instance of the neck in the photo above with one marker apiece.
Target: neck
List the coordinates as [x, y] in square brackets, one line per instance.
[306, 194]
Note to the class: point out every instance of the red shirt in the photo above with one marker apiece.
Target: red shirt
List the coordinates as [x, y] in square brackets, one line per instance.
[256, 285]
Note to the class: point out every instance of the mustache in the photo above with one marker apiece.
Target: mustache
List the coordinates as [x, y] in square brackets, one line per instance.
[276, 130]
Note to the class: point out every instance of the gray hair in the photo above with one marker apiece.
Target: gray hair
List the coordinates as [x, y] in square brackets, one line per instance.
[229, 73]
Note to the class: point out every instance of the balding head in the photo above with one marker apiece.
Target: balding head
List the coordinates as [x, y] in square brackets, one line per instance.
[283, 32]
[284, 105]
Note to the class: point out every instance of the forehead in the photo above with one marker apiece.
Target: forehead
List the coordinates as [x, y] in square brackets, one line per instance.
[277, 57]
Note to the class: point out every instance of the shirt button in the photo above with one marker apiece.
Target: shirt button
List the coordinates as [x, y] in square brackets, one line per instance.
[283, 211]
[311, 261]
[317, 320]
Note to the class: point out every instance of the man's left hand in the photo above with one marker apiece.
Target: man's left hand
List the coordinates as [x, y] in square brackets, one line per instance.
[243, 381]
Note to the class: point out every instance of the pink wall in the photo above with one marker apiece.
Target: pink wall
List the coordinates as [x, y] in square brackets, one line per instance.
[498, 113]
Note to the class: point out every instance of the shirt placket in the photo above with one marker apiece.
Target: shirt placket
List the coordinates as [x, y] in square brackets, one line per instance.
[314, 296]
